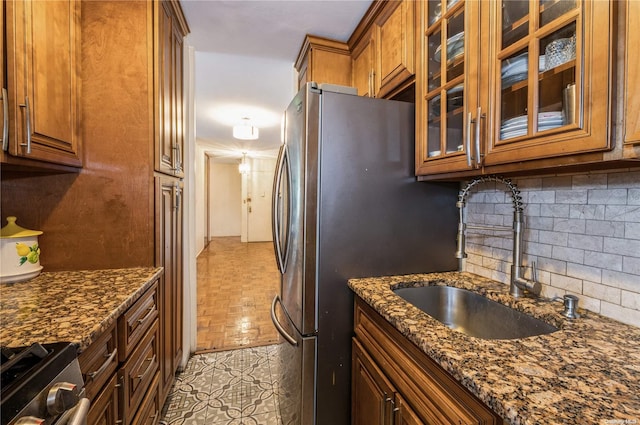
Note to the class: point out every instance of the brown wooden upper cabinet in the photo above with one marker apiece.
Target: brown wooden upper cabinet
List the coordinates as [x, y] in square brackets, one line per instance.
[170, 29]
[40, 110]
[383, 54]
[323, 61]
[512, 82]
[631, 79]
[363, 65]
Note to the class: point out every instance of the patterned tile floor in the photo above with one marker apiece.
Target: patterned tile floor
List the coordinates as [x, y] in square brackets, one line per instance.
[235, 387]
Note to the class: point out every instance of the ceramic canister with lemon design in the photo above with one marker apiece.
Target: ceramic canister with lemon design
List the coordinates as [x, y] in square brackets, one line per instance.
[19, 253]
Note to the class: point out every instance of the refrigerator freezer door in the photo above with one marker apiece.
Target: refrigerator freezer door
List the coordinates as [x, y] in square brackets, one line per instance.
[296, 365]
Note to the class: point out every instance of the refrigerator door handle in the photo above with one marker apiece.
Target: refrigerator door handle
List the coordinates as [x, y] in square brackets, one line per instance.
[291, 340]
[280, 250]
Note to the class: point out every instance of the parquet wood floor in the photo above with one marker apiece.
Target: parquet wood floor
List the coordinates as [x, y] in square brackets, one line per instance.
[236, 284]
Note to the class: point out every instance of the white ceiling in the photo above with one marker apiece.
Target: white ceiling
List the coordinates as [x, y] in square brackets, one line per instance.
[245, 51]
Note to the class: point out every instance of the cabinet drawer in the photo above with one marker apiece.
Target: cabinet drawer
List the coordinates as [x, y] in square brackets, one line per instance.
[99, 361]
[135, 322]
[149, 411]
[138, 373]
[104, 407]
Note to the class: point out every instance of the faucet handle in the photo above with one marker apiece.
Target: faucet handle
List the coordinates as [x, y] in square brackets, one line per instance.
[534, 271]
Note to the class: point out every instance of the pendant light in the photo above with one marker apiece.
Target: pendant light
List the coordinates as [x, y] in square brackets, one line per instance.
[244, 166]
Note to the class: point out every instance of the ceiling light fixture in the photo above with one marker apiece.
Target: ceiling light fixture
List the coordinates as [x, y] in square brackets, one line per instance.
[245, 131]
[244, 166]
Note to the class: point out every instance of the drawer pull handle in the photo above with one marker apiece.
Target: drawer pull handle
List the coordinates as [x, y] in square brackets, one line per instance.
[478, 124]
[105, 365]
[177, 160]
[27, 108]
[148, 315]
[151, 361]
[467, 141]
[5, 120]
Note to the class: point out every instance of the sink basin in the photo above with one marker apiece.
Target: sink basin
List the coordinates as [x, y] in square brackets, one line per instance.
[473, 314]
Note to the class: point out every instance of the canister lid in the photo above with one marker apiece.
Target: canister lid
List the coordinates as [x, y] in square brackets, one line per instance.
[12, 230]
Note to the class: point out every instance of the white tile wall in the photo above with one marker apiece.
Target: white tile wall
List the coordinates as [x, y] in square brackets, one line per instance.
[582, 230]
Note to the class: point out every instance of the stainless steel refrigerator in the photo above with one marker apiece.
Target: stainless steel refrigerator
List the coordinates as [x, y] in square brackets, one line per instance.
[345, 204]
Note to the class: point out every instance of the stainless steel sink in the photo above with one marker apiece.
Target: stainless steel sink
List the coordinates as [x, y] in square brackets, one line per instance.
[473, 314]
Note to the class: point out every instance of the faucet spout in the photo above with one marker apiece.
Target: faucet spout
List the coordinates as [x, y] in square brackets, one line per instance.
[518, 284]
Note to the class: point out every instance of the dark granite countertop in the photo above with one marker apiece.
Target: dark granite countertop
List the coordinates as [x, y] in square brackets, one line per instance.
[74, 306]
[588, 372]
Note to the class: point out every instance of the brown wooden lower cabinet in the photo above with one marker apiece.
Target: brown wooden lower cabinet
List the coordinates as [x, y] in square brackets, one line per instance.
[149, 411]
[394, 382]
[375, 400]
[126, 392]
[99, 361]
[404, 414]
[169, 208]
[138, 373]
[104, 407]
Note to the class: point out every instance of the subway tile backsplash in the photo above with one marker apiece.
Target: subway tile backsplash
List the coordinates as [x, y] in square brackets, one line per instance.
[581, 230]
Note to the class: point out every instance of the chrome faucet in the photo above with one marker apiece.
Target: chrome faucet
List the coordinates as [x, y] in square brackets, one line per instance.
[519, 284]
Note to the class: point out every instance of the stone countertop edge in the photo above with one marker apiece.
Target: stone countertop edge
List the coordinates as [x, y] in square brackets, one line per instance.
[586, 373]
[69, 306]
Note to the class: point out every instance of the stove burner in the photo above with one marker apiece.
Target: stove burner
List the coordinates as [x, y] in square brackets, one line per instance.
[14, 365]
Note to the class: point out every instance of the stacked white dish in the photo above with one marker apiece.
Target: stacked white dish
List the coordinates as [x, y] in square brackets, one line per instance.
[455, 47]
[549, 120]
[515, 69]
[518, 126]
[514, 127]
[455, 97]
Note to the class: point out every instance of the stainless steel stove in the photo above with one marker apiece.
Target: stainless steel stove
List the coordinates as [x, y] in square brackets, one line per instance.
[42, 385]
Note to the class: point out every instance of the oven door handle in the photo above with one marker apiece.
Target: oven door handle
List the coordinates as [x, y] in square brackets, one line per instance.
[77, 415]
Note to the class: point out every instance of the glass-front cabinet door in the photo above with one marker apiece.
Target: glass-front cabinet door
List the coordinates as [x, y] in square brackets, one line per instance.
[551, 73]
[446, 84]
